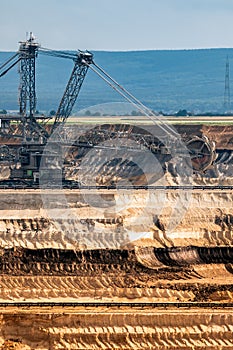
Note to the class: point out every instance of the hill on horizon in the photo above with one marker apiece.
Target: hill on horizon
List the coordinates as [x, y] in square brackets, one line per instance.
[164, 80]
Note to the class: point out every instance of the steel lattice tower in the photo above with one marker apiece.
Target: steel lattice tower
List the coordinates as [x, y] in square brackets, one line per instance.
[227, 102]
[27, 89]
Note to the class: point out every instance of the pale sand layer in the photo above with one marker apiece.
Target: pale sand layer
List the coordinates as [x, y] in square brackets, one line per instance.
[76, 219]
[116, 329]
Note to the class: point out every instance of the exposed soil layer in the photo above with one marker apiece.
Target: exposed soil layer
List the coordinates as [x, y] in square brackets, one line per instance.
[82, 219]
[116, 329]
[221, 135]
[107, 275]
[119, 246]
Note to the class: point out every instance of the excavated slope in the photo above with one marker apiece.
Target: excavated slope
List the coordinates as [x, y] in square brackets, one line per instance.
[96, 246]
[75, 219]
[119, 329]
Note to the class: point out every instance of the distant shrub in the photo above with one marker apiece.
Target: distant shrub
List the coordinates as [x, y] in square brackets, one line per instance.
[52, 113]
[183, 113]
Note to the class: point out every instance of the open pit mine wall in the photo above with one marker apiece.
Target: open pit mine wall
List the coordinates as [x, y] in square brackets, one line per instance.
[221, 135]
[113, 219]
[56, 252]
[103, 167]
[23, 261]
[117, 329]
[183, 256]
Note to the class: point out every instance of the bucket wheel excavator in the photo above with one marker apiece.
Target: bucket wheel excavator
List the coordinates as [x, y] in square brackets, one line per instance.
[25, 135]
[202, 152]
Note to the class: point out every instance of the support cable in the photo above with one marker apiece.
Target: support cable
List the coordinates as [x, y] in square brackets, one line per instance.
[149, 113]
[140, 106]
[8, 61]
[13, 64]
[54, 53]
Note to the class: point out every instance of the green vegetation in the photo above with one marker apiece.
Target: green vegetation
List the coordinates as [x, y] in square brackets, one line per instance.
[163, 80]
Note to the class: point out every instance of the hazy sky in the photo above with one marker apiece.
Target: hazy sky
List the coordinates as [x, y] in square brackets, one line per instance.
[118, 24]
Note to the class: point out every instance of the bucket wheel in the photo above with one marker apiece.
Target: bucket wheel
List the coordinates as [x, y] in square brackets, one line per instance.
[202, 153]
